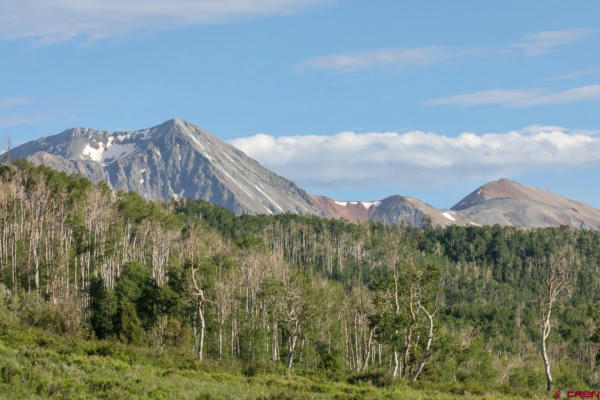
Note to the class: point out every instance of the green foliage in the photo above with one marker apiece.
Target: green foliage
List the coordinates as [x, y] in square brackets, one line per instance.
[329, 358]
[38, 365]
[64, 317]
[135, 286]
[375, 378]
[177, 334]
[103, 307]
[525, 378]
[128, 323]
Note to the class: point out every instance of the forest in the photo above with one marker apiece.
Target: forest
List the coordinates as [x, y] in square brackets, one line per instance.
[473, 311]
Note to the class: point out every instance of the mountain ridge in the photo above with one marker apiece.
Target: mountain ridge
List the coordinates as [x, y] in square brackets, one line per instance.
[179, 159]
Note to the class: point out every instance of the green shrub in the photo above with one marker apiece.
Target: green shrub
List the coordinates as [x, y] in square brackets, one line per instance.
[258, 367]
[375, 378]
[567, 376]
[129, 326]
[64, 317]
[9, 371]
[103, 307]
[329, 359]
[525, 378]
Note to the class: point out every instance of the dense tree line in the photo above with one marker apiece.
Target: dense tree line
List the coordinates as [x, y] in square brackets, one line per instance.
[468, 307]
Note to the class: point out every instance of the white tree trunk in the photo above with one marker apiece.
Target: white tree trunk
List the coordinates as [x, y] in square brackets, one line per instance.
[545, 333]
[292, 348]
[275, 343]
[220, 342]
[369, 346]
[202, 328]
[427, 345]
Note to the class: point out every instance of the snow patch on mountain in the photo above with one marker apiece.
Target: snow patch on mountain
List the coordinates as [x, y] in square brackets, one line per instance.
[365, 204]
[369, 204]
[110, 151]
[93, 153]
[447, 215]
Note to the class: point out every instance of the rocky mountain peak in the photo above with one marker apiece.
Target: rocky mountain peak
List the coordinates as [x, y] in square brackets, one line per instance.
[173, 159]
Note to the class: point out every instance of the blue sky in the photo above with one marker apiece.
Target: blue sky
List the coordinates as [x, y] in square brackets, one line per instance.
[424, 72]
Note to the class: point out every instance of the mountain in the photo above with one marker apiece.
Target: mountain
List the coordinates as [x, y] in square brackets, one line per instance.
[391, 210]
[178, 159]
[174, 159]
[506, 202]
[398, 209]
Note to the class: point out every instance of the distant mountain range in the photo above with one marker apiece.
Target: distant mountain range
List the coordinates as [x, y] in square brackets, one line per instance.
[178, 159]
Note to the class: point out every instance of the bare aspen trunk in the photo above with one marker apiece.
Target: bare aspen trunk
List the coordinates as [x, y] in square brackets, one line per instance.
[202, 328]
[545, 333]
[406, 355]
[369, 346]
[275, 343]
[36, 260]
[558, 281]
[395, 371]
[396, 312]
[292, 348]
[220, 343]
[427, 345]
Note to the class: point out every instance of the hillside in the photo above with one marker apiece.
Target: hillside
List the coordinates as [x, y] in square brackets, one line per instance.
[39, 365]
[303, 296]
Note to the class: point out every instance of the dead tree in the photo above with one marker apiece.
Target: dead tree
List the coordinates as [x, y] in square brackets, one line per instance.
[430, 337]
[556, 271]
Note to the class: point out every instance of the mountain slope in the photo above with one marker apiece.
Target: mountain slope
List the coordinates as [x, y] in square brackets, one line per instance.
[507, 202]
[398, 209]
[358, 211]
[174, 159]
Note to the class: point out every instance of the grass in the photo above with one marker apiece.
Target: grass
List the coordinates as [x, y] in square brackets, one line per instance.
[35, 364]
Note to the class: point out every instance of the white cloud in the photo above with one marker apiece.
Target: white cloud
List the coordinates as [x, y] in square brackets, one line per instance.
[15, 101]
[520, 97]
[415, 159]
[485, 97]
[401, 58]
[544, 42]
[574, 74]
[590, 92]
[390, 58]
[56, 20]
[8, 120]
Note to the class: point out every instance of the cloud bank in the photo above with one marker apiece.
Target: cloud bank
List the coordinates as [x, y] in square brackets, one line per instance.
[419, 159]
[520, 97]
[55, 20]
